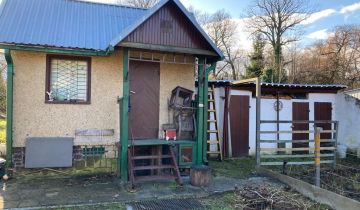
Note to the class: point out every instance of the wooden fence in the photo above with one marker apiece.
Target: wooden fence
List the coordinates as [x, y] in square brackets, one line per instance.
[279, 147]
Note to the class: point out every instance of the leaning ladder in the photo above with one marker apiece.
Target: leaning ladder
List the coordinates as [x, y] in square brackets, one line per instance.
[213, 129]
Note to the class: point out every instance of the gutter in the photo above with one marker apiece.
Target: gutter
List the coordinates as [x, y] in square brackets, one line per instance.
[9, 107]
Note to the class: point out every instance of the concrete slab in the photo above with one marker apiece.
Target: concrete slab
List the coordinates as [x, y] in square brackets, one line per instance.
[23, 192]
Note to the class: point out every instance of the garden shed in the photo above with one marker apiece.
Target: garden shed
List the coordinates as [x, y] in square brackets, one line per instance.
[91, 79]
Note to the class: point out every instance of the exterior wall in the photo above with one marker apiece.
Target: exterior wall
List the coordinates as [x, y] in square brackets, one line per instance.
[34, 118]
[269, 113]
[171, 76]
[348, 113]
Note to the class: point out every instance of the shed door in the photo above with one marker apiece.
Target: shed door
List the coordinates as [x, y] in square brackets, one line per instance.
[323, 112]
[239, 125]
[300, 113]
[144, 100]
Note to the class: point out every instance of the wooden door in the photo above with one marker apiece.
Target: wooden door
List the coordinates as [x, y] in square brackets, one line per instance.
[239, 125]
[300, 113]
[323, 111]
[144, 100]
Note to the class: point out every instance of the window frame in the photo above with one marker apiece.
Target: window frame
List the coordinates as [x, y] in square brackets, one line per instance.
[49, 58]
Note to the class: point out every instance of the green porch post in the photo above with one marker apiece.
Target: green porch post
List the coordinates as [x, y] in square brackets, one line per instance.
[200, 112]
[9, 107]
[206, 114]
[124, 118]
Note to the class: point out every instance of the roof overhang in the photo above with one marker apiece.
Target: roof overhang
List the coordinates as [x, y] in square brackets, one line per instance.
[56, 50]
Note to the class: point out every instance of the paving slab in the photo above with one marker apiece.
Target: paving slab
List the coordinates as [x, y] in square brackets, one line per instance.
[41, 192]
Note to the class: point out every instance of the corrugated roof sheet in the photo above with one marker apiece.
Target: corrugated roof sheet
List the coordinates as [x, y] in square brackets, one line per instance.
[285, 85]
[64, 23]
[75, 24]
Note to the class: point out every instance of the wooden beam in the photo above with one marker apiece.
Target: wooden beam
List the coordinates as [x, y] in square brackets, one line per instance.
[166, 48]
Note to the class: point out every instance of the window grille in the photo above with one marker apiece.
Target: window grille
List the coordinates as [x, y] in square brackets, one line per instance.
[68, 80]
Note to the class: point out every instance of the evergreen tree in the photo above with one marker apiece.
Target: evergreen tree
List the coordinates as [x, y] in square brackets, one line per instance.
[255, 69]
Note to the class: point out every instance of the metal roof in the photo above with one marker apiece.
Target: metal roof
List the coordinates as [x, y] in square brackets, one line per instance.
[75, 24]
[285, 85]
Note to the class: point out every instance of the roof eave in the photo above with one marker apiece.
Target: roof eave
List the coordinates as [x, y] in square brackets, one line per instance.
[57, 50]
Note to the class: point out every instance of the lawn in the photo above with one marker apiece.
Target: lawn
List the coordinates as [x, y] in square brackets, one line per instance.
[240, 168]
[2, 131]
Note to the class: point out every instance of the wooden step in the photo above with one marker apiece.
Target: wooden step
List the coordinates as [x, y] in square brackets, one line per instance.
[212, 131]
[213, 142]
[152, 167]
[150, 157]
[153, 178]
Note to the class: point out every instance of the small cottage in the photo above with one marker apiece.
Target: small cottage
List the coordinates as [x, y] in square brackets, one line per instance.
[89, 78]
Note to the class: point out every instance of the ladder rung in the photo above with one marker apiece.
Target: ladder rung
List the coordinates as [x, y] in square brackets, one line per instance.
[212, 142]
[213, 121]
[213, 152]
[212, 131]
[211, 110]
[211, 100]
[210, 90]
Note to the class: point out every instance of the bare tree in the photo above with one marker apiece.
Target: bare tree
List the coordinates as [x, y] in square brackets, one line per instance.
[222, 30]
[277, 20]
[139, 3]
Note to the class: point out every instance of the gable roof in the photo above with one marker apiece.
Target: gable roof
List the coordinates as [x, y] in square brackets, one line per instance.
[75, 24]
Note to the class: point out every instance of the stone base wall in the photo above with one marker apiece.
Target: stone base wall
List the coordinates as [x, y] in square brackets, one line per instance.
[18, 157]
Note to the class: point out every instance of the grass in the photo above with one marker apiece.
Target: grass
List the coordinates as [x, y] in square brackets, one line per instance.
[2, 131]
[240, 168]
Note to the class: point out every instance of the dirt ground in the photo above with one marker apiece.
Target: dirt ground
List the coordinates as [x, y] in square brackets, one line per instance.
[343, 179]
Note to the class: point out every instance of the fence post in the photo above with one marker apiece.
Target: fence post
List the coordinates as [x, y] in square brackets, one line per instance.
[317, 156]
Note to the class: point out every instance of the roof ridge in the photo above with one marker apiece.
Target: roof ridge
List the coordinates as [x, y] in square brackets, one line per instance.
[108, 4]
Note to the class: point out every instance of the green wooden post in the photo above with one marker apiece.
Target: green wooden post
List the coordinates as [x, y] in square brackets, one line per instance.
[9, 107]
[124, 118]
[200, 112]
[206, 114]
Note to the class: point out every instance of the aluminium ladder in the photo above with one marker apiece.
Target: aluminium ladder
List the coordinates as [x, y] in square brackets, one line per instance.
[213, 135]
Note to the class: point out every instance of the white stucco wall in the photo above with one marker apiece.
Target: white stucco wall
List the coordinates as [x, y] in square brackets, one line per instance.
[348, 112]
[268, 113]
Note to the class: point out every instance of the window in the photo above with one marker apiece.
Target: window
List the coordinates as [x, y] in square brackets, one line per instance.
[68, 79]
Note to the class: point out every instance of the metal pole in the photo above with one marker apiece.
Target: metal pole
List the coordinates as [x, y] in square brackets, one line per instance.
[336, 128]
[258, 112]
[318, 131]
[200, 112]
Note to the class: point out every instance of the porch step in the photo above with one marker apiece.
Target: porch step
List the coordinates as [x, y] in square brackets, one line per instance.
[152, 167]
[156, 167]
[150, 157]
[153, 178]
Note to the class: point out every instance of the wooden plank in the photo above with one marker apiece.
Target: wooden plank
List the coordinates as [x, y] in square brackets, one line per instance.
[297, 141]
[298, 121]
[295, 156]
[94, 132]
[296, 131]
[151, 157]
[294, 149]
[295, 163]
[320, 195]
